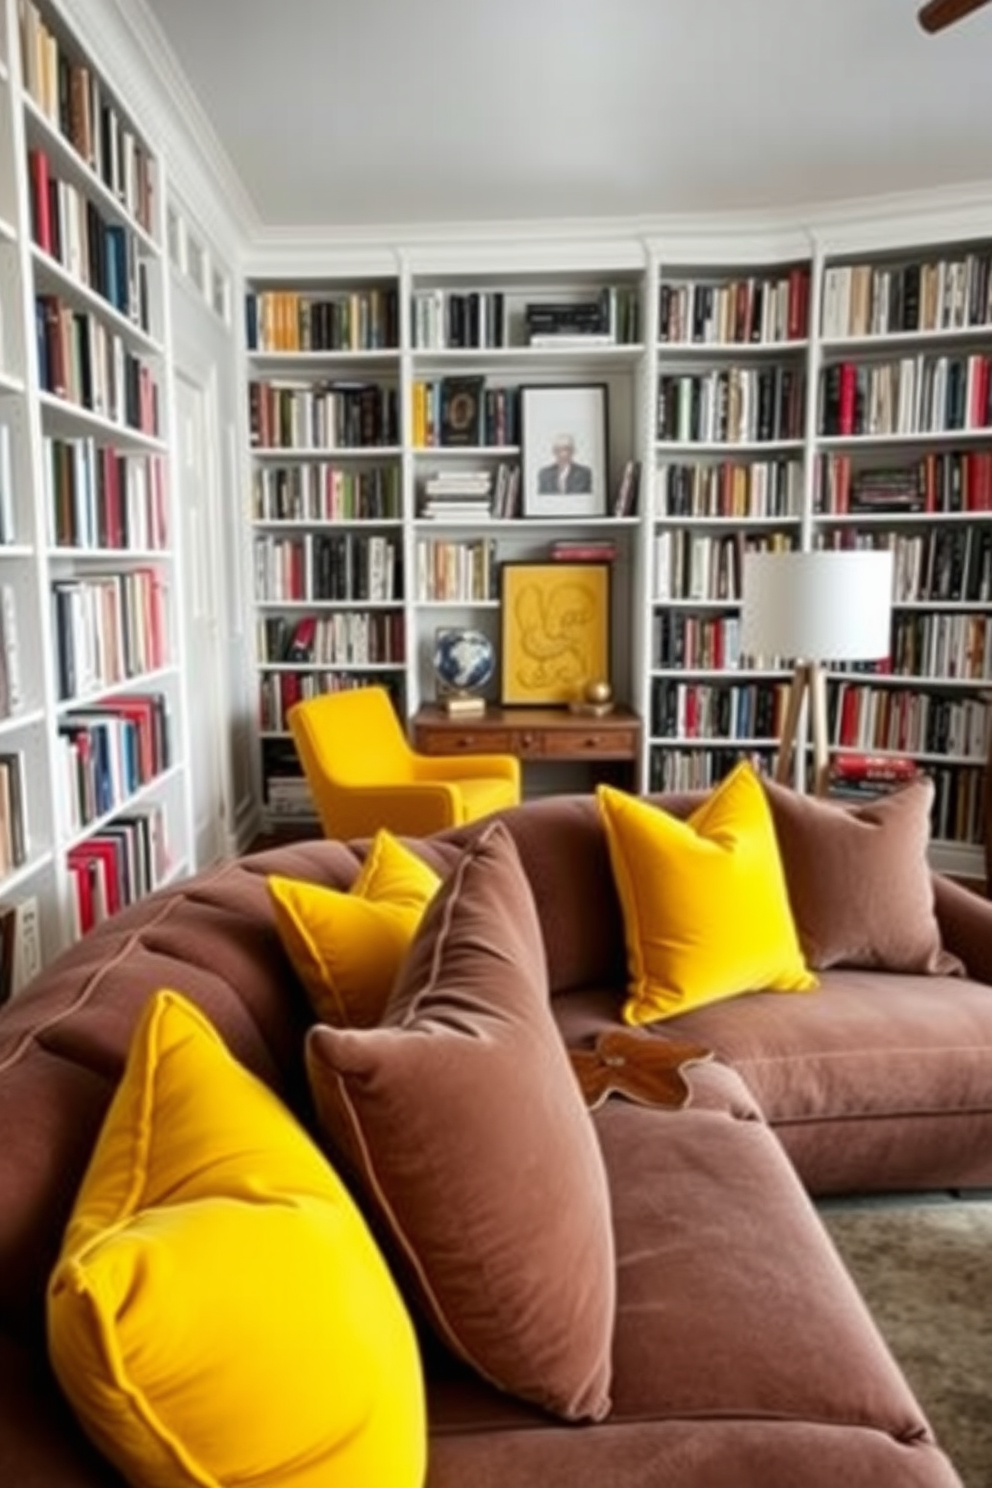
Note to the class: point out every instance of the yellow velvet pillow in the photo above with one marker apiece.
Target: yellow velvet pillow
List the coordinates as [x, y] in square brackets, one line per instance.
[219, 1312]
[705, 906]
[346, 948]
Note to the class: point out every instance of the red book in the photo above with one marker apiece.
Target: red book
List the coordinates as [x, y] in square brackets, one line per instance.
[41, 215]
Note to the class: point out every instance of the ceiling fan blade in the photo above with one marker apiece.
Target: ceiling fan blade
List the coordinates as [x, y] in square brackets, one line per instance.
[937, 14]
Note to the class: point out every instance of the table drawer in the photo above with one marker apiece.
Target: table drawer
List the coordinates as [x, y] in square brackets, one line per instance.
[592, 743]
[464, 741]
[527, 742]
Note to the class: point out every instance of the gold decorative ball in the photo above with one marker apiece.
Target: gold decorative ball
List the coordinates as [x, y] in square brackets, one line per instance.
[598, 691]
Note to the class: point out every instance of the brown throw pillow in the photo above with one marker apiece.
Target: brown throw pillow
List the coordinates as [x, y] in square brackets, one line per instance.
[465, 1128]
[859, 882]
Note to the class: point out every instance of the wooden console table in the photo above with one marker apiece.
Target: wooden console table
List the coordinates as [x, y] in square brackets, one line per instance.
[611, 744]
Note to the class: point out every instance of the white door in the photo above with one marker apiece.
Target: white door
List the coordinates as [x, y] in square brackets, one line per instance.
[198, 485]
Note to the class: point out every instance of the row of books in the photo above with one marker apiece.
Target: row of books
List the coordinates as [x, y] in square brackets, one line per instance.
[80, 360]
[8, 505]
[907, 722]
[465, 571]
[698, 769]
[352, 320]
[323, 492]
[958, 646]
[879, 300]
[758, 310]
[98, 497]
[695, 641]
[472, 495]
[442, 319]
[463, 411]
[20, 945]
[758, 488]
[277, 693]
[954, 481]
[707, 566]
[324, 566]
[109, 628]
[76, 102]
[608, 318]
[13, 813]
[11, 688]
[110, 750]
[732, 405]
[940, 564]
[117, 866]
[345, 638]
[336, 415]
[915, 395]
[698, 710]
[100, 253]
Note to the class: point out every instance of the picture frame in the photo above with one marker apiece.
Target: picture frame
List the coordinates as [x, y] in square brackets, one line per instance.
[564, 439]
[555, 631]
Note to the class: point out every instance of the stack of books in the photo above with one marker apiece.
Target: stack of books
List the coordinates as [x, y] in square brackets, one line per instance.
[859, 777]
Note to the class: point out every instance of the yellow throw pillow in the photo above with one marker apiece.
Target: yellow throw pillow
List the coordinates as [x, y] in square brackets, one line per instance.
[346, 948]
[705, 906]
[219, 1312]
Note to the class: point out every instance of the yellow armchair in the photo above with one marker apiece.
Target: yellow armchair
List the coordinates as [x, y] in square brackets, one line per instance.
[364, 775]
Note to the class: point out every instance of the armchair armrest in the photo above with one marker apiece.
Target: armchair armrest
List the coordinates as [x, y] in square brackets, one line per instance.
[468, 767]
[412, 809]
[965, 921]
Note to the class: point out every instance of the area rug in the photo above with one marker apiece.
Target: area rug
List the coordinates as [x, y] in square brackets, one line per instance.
[925, 1271]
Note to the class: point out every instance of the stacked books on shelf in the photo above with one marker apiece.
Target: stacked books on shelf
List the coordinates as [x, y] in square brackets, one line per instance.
[334, 415]
[20, 945]
[897, 720]
[445, 320]
[110, 750]
[344, 638]
[607, 319]
[13, 824]
[80, 360]
[732, 405]
[583, 550]
[699, 769]
[447, 572]
[100, 253]
[757, 488]
[352, 320]
[97, 497]
[938, 565]
[318, 491]
[698, 710]
[954, 481]
[328, 566]
[124, 861]
[857, 776]
[884, 299]
[736, 311]
[472, 495]
[75, 101]
[915, 395]
[463, 411]
[11, 692]
[109, 628]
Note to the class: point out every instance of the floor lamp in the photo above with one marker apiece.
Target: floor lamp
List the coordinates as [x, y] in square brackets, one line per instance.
[832, 605]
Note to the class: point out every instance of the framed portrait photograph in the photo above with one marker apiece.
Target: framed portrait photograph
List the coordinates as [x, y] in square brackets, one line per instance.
[564, 432]
[555, 630]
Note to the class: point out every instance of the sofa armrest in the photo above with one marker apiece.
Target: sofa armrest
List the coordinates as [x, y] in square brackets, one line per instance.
[965, 920]
[41, 1446]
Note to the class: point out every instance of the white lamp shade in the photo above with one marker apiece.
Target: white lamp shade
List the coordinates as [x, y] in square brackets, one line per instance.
[829, 605]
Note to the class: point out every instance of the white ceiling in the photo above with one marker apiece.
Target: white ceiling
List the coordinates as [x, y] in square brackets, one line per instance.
[371, 112]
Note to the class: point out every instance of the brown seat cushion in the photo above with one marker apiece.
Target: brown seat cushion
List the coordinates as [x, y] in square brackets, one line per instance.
[464, 1126]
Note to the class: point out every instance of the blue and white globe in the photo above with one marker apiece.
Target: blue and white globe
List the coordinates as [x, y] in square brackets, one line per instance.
[464, 659]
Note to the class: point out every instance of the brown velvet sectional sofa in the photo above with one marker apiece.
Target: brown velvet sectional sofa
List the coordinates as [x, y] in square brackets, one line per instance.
[743, 1356]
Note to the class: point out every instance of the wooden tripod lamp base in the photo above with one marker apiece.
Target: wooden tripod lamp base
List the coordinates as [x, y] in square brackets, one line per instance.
[809, 680]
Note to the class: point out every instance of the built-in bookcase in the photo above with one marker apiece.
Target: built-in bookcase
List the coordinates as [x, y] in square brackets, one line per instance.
[94, 808]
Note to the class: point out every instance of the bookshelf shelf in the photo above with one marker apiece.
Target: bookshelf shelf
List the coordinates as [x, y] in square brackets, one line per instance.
[146, 792]
[21, 876]
[72, 418]
[141, 682]
[51, 277]
[744, 351]
[10, 382]
[330, 452]
[16, 723]
[8, 232]
[726, 449]
[314, 361]
[465, 452]
[43, 134]
[906, 341]
[937, 438]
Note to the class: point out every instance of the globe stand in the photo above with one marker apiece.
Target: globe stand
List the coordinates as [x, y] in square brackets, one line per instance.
[462, 705]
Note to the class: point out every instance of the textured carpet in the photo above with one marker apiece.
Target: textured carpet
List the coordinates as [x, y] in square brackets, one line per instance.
[925, 1270]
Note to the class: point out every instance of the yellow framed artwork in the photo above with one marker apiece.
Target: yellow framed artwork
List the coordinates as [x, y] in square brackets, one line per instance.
[555, 630]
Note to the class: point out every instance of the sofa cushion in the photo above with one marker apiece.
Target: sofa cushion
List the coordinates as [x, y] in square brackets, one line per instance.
[220, 1311]
[347, 946]
[859, 881]
[465, 1128]
[706, 912]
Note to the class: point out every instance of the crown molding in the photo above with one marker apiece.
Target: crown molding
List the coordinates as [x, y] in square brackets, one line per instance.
[128, 46]
[855, 225]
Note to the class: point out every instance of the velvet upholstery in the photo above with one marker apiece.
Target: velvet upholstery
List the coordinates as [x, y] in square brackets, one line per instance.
[63, 1044]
